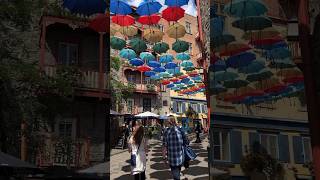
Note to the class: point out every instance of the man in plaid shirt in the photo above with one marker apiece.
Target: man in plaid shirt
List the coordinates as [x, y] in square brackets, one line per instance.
[174, 140]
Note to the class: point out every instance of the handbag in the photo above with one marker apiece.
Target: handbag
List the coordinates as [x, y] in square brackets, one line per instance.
[133, 158]
[189, 153]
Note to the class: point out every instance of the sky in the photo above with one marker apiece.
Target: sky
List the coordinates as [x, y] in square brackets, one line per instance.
[189, 9]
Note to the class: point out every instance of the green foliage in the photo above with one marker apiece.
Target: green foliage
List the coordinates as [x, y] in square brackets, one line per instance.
[151, 87]
[116, 63]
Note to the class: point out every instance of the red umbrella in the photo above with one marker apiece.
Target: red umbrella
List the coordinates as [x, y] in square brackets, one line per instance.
[202, 86]
[148, 20]
[173, 13]
[275, 88]
[123, 20]
[144, 68]
[267, 41]
[183, 76]
[193, 74]
[174, 79]
[100, 23]
[165, 82]
[295, 79]
[234, 98]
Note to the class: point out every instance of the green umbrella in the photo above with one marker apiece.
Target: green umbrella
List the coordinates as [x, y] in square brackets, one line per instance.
[180, 46]
[138, 45]
[237, 83]
[264, 74]
[189, 68]
[161, 47]
[177, 74]
[117, 43]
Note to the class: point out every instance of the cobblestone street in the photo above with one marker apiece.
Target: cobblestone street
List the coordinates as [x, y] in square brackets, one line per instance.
[156, 168]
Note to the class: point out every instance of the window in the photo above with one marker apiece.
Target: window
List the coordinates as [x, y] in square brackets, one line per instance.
[131, 77]
[161, 27]
[307, 152]
[146, 104]
[163, 88]
[270, 144]
[221, 145]
[65, 127]
[194, 107]
[68, 53]
[165, 103]
[188, 27]
[130, 104]
[179, 107]
[190, 48]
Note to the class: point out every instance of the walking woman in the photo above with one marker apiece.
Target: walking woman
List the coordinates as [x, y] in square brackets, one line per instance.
[138, 149]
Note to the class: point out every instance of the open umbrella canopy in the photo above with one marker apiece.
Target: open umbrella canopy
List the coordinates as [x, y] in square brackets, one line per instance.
[293, 80]
[85, 7]
[219, 65]
[149, 20]
[176, 2]
[165, 82]
[216, 26]
[165, 75]
[189, 68]
[159, 69]
[173, 13]
[240, 60]
[254, 67]
[127, 54]
[185, 80]
[272, 46]
[117, 43]
[138, 45]
[136, 62]
[222, 40]
[245, 8]
[119, 7]
[170, 85]
[263, 74]
[236, 83]
[232, 49]
[123, 20]
[100, 23]
[180, 46]
[266, 41]
[154, 64]
[252, 23]
[143, 68]
[224, 76]
[187, 64]
[176, 31]
[171, 65]
[148, 7]
[149, 73]
[153, 35]
[166, 58]
[264, 34]
[278, 53]
[147, 115]
[156, 77]
[160, 47]
[288, 73]
[147, 56]
[129, 30]
[183, 56]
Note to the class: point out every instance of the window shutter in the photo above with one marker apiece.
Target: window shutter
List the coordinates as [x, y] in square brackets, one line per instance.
[236, 146]
[174, 108]
[283, 144]
[253, 138]
[298, 149]
[183, 107]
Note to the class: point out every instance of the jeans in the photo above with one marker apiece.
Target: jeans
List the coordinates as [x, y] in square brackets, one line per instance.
[175, 170]
[140, 176]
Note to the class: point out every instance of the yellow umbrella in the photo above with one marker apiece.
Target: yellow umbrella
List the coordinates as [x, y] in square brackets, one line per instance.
[176, 31]
[264, 34]
[288, 73]
[153, 35]
[113, 31]
[129, 30]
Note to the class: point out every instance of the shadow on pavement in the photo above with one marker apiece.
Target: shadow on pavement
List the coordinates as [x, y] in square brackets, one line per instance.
[203, 155]
[160, 166]
[202, 178]
[194, 162]
[196, 171]
[126, 168]
[157, 159]
[161, 175]
[125, 177]
[157, 154]
[206, 159]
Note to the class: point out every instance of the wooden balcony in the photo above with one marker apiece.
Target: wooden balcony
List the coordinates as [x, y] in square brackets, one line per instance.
[64, 152]
[88, 83]
[146, 89]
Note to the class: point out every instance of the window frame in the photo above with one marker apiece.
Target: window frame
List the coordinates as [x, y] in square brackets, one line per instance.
[132, 108]
[179, 106]
[145, 108]
[68, 45]
[268, 143]
[188, 28]
[304, 149]
[221, 146]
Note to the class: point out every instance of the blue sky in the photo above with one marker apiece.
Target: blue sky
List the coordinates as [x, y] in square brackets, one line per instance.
[190, 8]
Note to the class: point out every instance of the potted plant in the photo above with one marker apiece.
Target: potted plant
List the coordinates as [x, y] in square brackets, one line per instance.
[150, 87]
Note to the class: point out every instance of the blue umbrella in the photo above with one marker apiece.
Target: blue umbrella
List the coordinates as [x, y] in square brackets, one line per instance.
[127, 54]
[154, 64]
[252, 23]
[85, 7]
[245, 8]
[185, 80]
[171, 65]
[155, 77]
[216, 88]
[278, 53]
[170, 85]
[136, 62]
[219, 65]
[282, 63]
[177, 82]
[149, 73]
[272, 46]
[120, 7]
[183, 56]
[254, 67]
[148, 7]
[222, 39]
[199, 78]
[146, 56]
[176, 2]
[187, 64]
[159, 69]
[166, 58]
[240, 60]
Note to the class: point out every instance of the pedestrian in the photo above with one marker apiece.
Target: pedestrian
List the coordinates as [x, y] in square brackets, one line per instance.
[198, 130]
[173, 148]
[138, 148]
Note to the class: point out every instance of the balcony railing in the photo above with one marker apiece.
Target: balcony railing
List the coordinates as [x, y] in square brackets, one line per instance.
[147, 88]
[64, 152]
[88, 79]
[296, 51]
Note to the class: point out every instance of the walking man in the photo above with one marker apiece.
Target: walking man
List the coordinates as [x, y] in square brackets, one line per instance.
[173, 147]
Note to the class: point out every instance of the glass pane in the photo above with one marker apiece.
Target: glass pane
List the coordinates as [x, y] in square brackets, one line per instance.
[225, 146]
[216, 138]
[264, 142]
[273, 149]
[307, 150]
[62, 53]
[216, 152]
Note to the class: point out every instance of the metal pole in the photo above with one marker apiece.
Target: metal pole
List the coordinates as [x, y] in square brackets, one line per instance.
[311, 95]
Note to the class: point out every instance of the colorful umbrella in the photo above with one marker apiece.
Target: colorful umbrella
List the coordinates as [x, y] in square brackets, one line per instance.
[222, 39]
[240, 60]
[149, 20]
[144, 68]
[170, 65]
[183, 76]
[148, 7]
[185, 80]
[166, 58]
[193, 74]
[187, 64]
[264, 34]
[189, 68]
[173, 13]
[153, 35]
[165, 75]
[165, 82]
[183, 56]
[180, 46]
[175, 80]
[266, 41]
[155, 77]
[176, 2]
[136, 62]
[85, 7]
[159, 69]
[123, 20]
[176, 31]
[120, 7]
[224, 76]
[138, 45]
[254, 67]
[154, 64]
[293, 80]
[236, 83]
[288, 73]
[278, 53]
[161, 47]
[272, 46]
[127, 54]
[217, 88]
[245, 8]
[147, 56]
[232, 49]
[117, 43]
[100, 23]
[129, 31]
[170, 85]
[149, 73]
[252, 23]
[263, 74]
[219, 65]
[276, 88]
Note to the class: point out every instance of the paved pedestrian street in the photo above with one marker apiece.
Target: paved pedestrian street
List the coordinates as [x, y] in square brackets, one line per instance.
[156, 168]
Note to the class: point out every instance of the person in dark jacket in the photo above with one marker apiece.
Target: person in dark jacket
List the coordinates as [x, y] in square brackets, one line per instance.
[198, 130]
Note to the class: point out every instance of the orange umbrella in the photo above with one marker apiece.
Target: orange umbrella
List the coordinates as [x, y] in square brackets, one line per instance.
[233, 48]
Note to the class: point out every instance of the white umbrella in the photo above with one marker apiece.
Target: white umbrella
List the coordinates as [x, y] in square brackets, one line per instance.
[146, 115]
